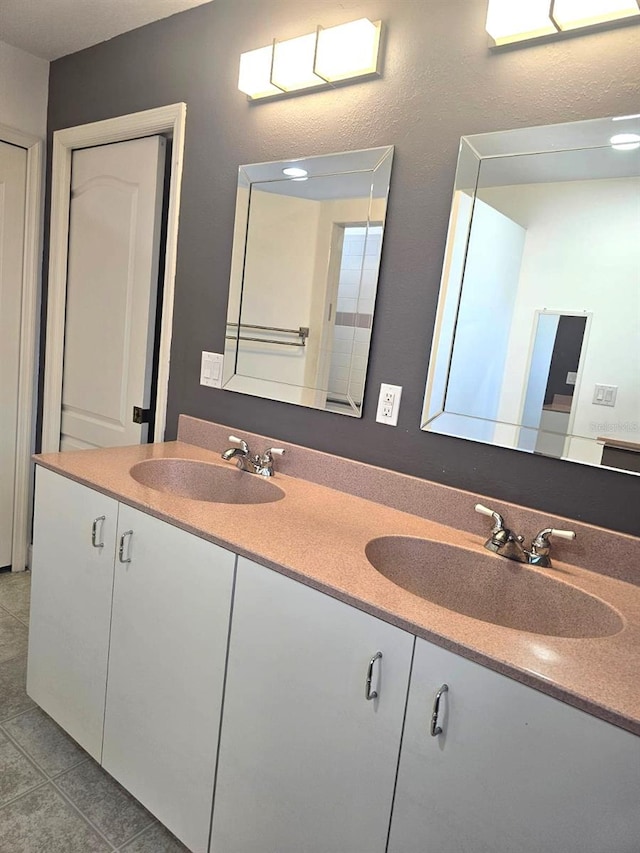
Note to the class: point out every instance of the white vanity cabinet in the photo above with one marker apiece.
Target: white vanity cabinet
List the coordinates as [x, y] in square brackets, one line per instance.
[74, 536]
[130, 640]
[151, 635]
[307, 762]
[514, 770]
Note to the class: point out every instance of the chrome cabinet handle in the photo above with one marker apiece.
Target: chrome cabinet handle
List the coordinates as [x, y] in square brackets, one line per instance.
[121, 556]
[370, 694]
[435, 728]
[94, 531]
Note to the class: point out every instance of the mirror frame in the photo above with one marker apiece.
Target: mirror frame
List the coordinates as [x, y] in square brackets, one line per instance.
[473, 150]
[376, 161]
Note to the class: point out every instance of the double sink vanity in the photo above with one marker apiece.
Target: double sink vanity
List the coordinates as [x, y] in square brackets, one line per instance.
[328, 660]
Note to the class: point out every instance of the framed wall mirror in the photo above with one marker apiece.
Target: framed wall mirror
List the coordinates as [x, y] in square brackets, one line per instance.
[304, 274]
[537, 339]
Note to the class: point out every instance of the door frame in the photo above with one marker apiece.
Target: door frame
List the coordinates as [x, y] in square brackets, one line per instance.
[588, 315]
[29, 328]
[170, 120]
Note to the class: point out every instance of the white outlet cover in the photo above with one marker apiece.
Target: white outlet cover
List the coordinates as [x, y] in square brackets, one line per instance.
[388, 404]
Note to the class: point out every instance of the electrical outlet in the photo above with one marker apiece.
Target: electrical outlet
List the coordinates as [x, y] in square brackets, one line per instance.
[211, 369]
[388, 404]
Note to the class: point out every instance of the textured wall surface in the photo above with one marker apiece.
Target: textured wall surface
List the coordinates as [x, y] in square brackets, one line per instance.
[24, 83]
[440, 82]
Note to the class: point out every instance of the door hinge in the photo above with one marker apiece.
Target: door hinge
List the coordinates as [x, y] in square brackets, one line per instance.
[141, 416]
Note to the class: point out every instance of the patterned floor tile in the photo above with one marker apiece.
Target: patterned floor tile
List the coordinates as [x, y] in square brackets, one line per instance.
[43, 822]
[45, 742]
[105, 803]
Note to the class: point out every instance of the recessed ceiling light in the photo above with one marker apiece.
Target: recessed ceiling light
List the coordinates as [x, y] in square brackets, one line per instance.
[625, 141]
[294, 172]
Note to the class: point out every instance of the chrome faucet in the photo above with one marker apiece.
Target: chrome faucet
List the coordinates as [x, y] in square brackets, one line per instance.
[507, 544]
[502, 541]
[253, 463]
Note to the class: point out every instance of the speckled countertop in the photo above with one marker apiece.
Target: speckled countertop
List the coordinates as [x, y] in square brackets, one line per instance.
[318, 535]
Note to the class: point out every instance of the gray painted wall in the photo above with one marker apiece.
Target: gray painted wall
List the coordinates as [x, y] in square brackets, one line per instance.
[440, 82]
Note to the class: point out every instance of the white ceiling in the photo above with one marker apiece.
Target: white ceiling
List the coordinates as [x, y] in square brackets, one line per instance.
[55, 28]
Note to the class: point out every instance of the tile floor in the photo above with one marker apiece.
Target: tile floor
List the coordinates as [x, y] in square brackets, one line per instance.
[54, 798]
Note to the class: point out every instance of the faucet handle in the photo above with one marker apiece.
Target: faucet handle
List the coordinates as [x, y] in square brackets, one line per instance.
[497, 518]
[264, 463]
[239, 442]
[542, 539]
[274, 451]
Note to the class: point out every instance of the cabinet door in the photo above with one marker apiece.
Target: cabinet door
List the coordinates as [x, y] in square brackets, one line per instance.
[169, 633]
[71, 605]
[514, 771]
[307, 764]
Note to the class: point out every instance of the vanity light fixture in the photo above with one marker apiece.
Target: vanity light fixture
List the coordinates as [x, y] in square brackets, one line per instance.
[511, 21]
[313, 61]
[255, 73]
[625, 141]
[295, 172]
[348, 51]
[573, 14]
[293, 64]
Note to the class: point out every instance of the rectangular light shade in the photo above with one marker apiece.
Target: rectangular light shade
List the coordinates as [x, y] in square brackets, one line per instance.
[348, 50]
[255, 73]
[293, 64]
[572, 14]
[516, 20]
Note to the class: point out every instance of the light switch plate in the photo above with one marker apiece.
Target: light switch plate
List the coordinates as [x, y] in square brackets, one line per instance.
[211, 369]
[605, 395]
[389, 404]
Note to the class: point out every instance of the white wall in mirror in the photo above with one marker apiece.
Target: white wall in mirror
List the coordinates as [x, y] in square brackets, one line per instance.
[540, 295]
[306, 256]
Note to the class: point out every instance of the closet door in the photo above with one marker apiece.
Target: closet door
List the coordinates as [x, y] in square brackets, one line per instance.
[115, 219]
[13, 170]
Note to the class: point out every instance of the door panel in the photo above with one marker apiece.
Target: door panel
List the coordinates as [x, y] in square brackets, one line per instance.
[71, 605]
[171, 608]
[114, 242]
[514, 771]
[307, 764]
[13, 170]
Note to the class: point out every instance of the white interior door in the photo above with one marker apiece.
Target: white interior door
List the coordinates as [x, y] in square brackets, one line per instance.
[112, 278]
[13, 170]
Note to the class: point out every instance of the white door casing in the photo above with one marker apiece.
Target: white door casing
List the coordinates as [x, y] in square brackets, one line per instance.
[112, 276]
[13, 176]
[29, 323]
[27, 330]
[169, 121]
